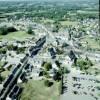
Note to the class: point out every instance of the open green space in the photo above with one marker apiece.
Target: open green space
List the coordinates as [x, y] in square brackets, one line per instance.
[5, 73]
[12, 13]
[47, 20]
[87, 12]
[91, 42]
[67, 23]
[19, 35]
[36, 90]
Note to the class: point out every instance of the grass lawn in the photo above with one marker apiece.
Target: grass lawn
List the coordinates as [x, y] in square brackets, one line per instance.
[67, 23]
[5, 73]
[47, 21]
[91, 42]
[20, 35]
[36, 90]
[1, 63]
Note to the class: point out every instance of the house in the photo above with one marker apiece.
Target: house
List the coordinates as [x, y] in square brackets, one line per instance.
[52, 52]
[52, 72]
[72, 56]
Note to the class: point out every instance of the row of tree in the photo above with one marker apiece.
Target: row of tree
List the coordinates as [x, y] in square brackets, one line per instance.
[5, 30]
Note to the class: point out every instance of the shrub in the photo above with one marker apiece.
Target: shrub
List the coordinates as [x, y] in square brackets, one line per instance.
[57, 63]
[57, 75]
[84, 64]
[48, 66]
[61, 87]
[11, 29]
[3, 31]
[3, 50]
[43, 63]
[10, 47]
[48, 83]
[46, 74]
[20, 50]
[1, 79]
[66, 71]
[30, 31]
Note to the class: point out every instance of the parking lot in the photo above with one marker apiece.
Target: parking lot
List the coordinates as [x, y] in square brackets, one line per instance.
[80, 87]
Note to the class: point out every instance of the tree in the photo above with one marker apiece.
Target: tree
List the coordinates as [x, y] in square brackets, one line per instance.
[48, 66]
[3, 31]
[59, 51]
[1, 78]
[46, 74]
[58, 75]
[64, 45]
[57, 63]
[84, 64]
[15, 48]
[48, 83]
[56, 27]
[20, 50]
[43, 63]
[69, 36]
[3, 50]
[11, 29]
[10, 47]
[30, 31]
[66, 70]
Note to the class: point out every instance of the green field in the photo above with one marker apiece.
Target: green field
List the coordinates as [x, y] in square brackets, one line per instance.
[87, 12]
[5, 73]
[36, 90]
[92, 43]
[19, 35]
[47, 20]
[11, 13]
[67, 23]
